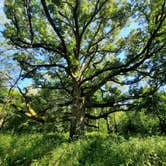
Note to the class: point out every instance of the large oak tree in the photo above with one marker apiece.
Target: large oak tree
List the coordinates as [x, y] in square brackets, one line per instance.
[88, 51]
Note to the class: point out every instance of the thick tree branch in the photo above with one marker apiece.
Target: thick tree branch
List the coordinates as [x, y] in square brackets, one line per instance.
[124, 100]
[111, 110]
[28, 12]
[57, 31]
[77, 29]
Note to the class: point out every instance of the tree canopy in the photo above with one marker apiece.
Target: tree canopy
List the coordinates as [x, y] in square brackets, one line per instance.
[91, 53]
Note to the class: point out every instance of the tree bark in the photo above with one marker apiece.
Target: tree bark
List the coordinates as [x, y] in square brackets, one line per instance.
[78, 115]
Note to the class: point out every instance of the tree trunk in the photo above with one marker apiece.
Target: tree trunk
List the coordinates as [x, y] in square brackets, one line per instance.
[162, 124]
[78, 116]
[109, 127]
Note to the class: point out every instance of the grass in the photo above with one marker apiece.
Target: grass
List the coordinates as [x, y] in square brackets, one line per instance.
[94, 150]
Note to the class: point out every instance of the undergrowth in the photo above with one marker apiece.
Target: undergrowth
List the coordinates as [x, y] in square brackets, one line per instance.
[94, 150]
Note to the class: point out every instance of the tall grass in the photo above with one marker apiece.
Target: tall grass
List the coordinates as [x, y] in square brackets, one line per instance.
[94, 150]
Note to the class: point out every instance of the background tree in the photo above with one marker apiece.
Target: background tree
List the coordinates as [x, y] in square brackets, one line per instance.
[155, 105]
[77, 48]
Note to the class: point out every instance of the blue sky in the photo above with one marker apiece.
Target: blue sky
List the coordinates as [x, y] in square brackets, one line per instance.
[2, 15]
